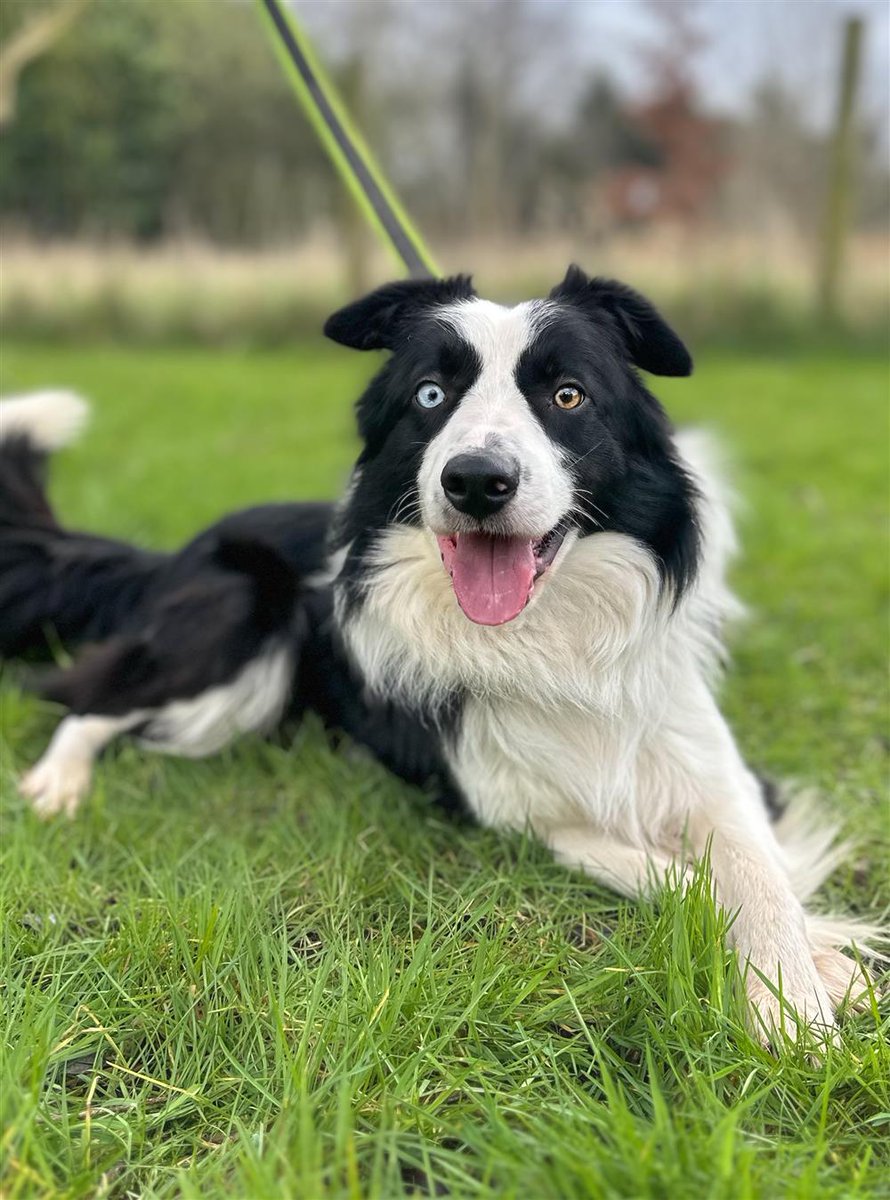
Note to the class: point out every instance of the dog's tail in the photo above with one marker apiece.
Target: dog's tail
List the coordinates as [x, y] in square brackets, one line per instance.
[813, 851]
[31, 427]
[54, 582]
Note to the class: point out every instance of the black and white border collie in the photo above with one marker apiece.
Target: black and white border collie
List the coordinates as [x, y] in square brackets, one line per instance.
[521, 596]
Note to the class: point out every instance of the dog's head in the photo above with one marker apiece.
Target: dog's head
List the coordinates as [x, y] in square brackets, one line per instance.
[510, 433]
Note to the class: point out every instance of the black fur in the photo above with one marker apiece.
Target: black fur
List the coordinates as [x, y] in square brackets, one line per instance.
[171, 626]
[646, 338]
[627, 476]
[83, 588]
[408, 742]
[380, 320]
[199, 634]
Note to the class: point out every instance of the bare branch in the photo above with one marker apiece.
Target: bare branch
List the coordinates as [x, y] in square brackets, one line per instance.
[37, 36]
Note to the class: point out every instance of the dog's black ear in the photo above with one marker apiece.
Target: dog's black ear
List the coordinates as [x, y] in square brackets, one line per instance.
[649, 341]
[373, 322]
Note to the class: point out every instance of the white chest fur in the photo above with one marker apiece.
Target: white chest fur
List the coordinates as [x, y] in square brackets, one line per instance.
[562, 703]
[570, 709]
[523, 765]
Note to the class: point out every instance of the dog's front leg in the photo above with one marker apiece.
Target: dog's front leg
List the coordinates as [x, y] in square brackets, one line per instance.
[726, 817]
[769, 927]
[629, 870]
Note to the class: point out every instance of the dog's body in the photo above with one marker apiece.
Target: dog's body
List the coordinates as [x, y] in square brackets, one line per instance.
[521, 597]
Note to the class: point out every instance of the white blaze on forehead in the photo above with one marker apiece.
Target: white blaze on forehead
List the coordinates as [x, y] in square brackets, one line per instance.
[497, 333]
[494, 410]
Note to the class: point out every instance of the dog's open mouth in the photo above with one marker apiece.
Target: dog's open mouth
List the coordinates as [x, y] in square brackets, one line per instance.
[493, 577]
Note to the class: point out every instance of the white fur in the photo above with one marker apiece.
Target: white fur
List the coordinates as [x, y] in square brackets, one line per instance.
[705, 462]
[62, 777]
[494, 412]
[626, 869]
[250, 703]
[329, 572]
[590, 718]
[49, 419]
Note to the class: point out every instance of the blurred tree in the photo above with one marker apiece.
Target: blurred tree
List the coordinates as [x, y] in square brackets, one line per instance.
[483, 94]
[671, 52]
[607, 134]
[685, 159]
[778, 163]
[352, 221]
[247, 166]
[89, 149]
[33, 35]
[153, 118]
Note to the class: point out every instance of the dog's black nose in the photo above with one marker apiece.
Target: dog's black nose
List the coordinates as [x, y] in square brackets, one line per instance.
[480, 484]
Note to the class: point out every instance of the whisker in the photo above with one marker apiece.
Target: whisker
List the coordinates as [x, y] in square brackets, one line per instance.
[587, 492]
[407, 513]
[403, 506]
[581, 457]
[579, 509]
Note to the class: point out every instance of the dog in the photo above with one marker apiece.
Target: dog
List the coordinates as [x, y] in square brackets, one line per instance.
[521, 597]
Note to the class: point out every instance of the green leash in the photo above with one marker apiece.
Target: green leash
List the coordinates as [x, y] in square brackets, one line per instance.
[344, 143]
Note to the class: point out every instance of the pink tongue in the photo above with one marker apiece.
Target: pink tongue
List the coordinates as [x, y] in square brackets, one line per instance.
[492, 576]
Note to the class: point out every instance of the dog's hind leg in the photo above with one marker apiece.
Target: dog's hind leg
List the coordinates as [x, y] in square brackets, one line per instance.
[218, 659]
[62, 777]
[191, 726]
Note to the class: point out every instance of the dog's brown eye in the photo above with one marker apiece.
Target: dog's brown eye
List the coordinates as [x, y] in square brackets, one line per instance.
[568, 397]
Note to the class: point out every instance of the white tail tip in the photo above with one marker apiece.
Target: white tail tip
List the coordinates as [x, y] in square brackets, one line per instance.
[49, 420]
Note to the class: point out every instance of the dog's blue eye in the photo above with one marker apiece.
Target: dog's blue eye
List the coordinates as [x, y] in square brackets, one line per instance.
[429, 395]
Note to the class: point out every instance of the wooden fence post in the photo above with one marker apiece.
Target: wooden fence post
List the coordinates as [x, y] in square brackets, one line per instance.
[839, 194]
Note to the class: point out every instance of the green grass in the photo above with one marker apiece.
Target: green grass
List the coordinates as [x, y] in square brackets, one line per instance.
[281, 974]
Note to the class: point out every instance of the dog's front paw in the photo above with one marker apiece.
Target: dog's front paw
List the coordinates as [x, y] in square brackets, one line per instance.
[784, 1013]
[56, 785]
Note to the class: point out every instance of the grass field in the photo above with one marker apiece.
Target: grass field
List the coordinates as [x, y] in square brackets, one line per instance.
[281, 974]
